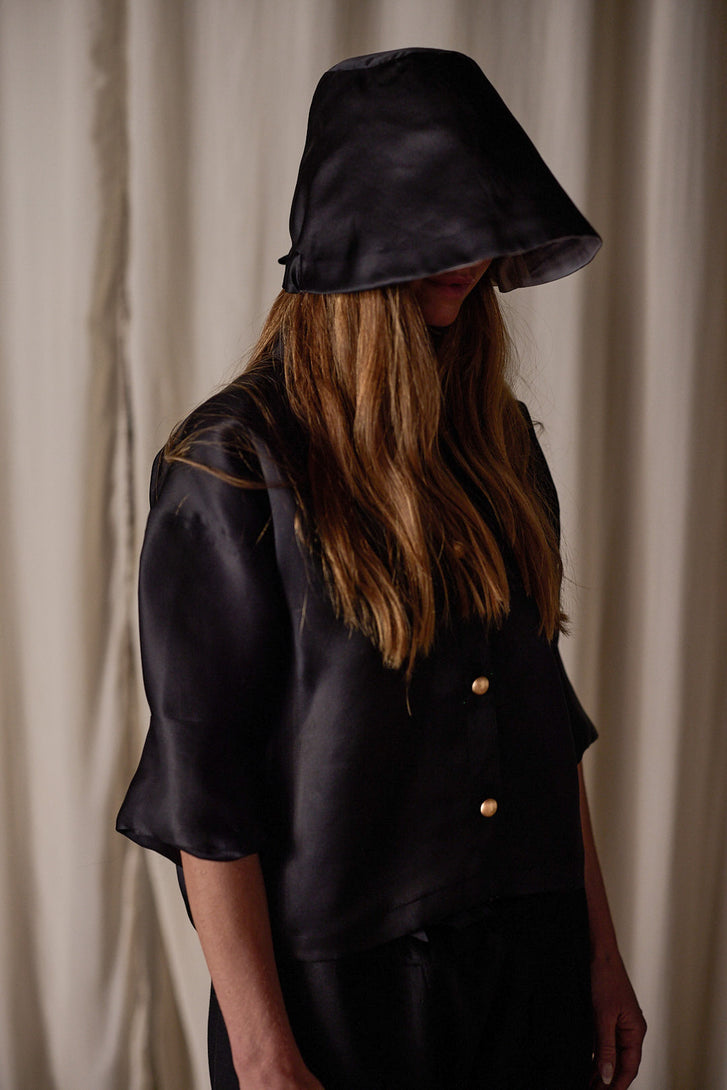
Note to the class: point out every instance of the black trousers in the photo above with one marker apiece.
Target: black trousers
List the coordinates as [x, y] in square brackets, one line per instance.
[501, 1003]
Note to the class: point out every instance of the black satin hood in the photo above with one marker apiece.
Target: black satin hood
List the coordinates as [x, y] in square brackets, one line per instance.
[413, 165]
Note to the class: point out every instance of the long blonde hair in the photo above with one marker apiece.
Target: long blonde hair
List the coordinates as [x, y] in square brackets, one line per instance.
[403, 443]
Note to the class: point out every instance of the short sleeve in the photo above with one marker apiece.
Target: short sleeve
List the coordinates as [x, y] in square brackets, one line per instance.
[214, 642]
[582, 728]
[542, 477]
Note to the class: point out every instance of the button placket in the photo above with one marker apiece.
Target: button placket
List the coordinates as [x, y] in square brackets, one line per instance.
[480, 686]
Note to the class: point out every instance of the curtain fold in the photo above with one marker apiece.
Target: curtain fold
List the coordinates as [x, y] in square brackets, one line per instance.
[149, 151]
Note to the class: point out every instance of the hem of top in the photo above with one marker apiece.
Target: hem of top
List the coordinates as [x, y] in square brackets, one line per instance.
[418, 914]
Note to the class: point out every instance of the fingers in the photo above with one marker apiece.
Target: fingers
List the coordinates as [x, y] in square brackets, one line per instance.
[618, 1049]
[606, 1064]
[630, 1038]
[605, 1053]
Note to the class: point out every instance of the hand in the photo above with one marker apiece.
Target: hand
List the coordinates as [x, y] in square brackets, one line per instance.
[619, 1024]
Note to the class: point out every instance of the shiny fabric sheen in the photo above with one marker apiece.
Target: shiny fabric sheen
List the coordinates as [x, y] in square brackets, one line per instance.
[276, 730]
[503, 1003]
[414, 165]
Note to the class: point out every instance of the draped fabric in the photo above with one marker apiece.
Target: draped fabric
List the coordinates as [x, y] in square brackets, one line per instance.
[149, 150]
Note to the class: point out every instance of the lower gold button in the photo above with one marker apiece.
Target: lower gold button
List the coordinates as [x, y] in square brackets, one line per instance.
[488, 808]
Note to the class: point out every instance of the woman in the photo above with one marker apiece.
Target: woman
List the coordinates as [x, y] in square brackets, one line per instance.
[364, 749]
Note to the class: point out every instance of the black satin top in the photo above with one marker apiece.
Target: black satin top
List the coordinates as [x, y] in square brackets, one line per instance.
[275, 729]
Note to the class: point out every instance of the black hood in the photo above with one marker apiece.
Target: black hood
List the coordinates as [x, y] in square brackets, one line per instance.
[413, 165]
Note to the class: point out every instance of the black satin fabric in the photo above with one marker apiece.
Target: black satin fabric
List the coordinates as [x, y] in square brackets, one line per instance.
[413, 165]
[502, 1003]
[277, 730]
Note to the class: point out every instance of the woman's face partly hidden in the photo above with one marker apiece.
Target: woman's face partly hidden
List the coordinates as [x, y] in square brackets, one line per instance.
[441, 296]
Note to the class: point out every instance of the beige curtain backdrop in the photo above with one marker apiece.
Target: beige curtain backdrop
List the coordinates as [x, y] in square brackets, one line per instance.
[148, 155]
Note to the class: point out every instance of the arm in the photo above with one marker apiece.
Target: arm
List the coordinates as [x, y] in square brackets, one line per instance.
[229, 908]
[619, 1023]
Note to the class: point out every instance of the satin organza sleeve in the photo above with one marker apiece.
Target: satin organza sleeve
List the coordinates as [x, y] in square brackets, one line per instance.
[214, 642]
[582, 728]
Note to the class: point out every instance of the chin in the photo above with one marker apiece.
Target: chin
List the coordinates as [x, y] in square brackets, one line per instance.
[443, 316]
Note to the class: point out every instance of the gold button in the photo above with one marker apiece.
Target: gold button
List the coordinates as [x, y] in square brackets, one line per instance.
[480, 686]
[488, 808]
